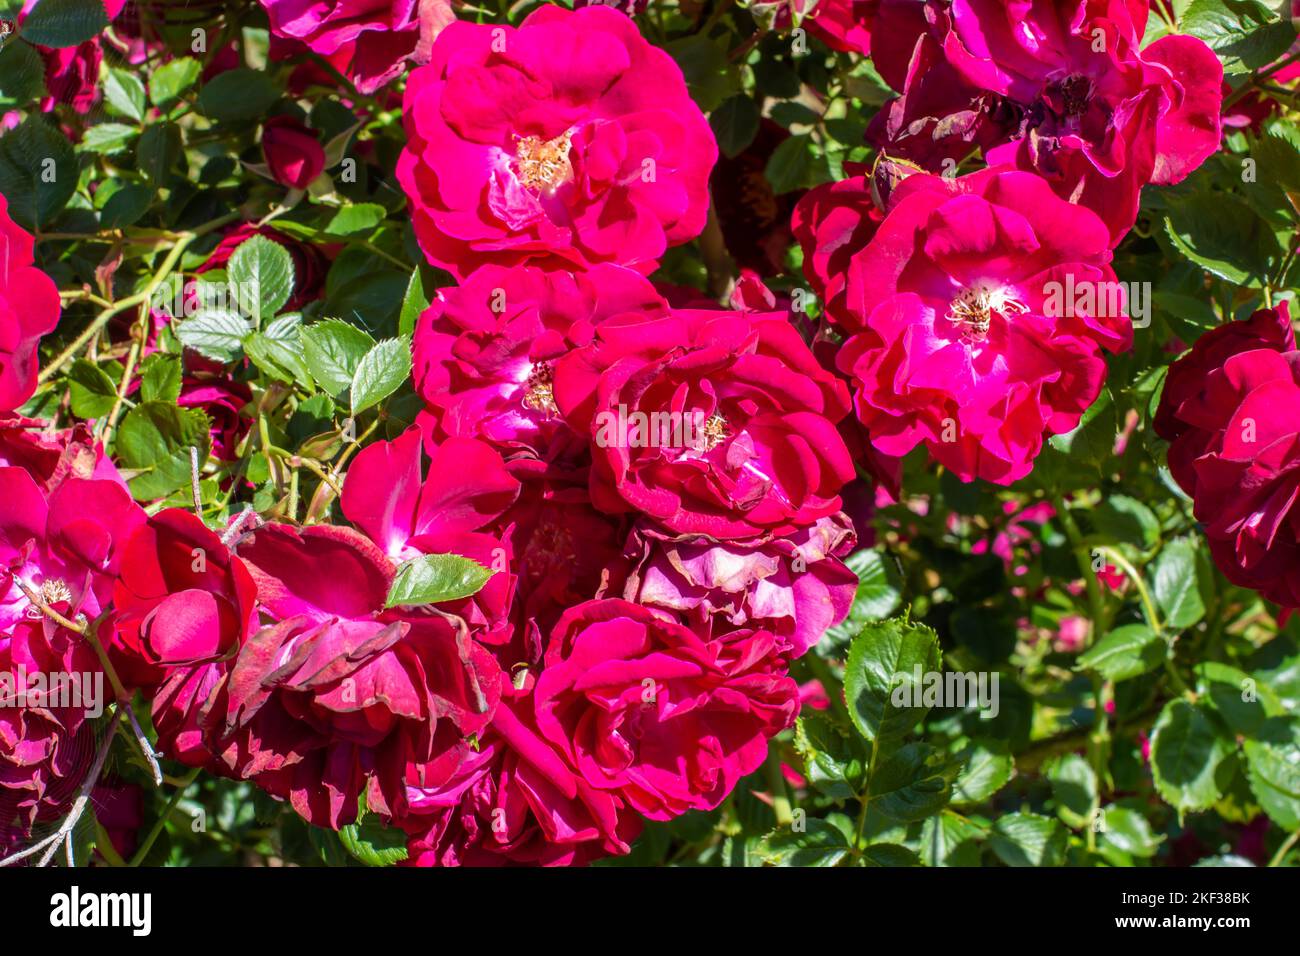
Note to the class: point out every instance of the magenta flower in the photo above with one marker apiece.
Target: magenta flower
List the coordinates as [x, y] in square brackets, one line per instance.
[793, 585]
[29, 308]
[1060, 88]
[715, 423]
[516, 156]
[1225, 410]
[977, 312]
[649, 710]
[369, 41]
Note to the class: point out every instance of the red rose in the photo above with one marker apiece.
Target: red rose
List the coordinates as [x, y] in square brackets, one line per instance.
[292, 151]
[1228, 411]
[717, 423]
[649, 710]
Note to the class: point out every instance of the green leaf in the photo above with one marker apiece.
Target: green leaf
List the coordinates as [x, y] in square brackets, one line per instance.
[155, 438]
[1245, 34]
[38, 172]
[172, 80]
[1093, 439]
[332, 351]
[735, 124]
[215, 333]
[1128, 832]
[913, 782]
[64, 23]
[108, 138]
[1124, 653]
[989, 767]
[239, 94]
[435, 579]
[159, 151]
[124, 94]
[1224, 237]
[126, 206]
[1028, 839]
[1176, 585]
[356, 219]
[380, 373]
[1186, 750]
[792, 165]
[710, 76]
[93, 393]
[889, 854]
[261, 270]
[1273, 763]
[830, 756]
[160, 378]
[277, 359]
[22, 75]
[881, 669]
[878, 594]
[1243, 702]
[1074, 784]
[820, 844]
[948, 839]
[1120, 518]
[373, 843]
[420, 291]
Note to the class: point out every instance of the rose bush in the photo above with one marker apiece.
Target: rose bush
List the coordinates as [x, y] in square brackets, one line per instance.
[689, 433]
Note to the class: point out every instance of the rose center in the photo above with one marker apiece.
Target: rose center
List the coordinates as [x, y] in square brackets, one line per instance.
[1070, 96]
[713, 432]
[543, 164]
[976, 306]
[540, 393]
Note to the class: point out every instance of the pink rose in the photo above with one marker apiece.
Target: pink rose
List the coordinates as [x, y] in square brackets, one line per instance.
[1061, 89]
[794, 585]
[29, 308]
[647, 709]
[715, 423]
[369, 41]
[515, 801]
[515, 156]
[485, 350]
[977, 313]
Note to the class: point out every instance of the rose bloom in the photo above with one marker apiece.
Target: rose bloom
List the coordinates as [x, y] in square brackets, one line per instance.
[484, 352]
[1060, 88]
[515, 157]
[844, 25]
[515, 801]
[293, 153]
[46, 750]
[207, 386]
[29, 308]
[49, 456]
[1226, 411]
[180, 599]
[795, 585]
[976, 314]
[369, 41]
[709, 422]
[649, 710]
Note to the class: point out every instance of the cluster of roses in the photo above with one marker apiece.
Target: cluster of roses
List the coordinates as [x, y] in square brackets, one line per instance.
[656, 483]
